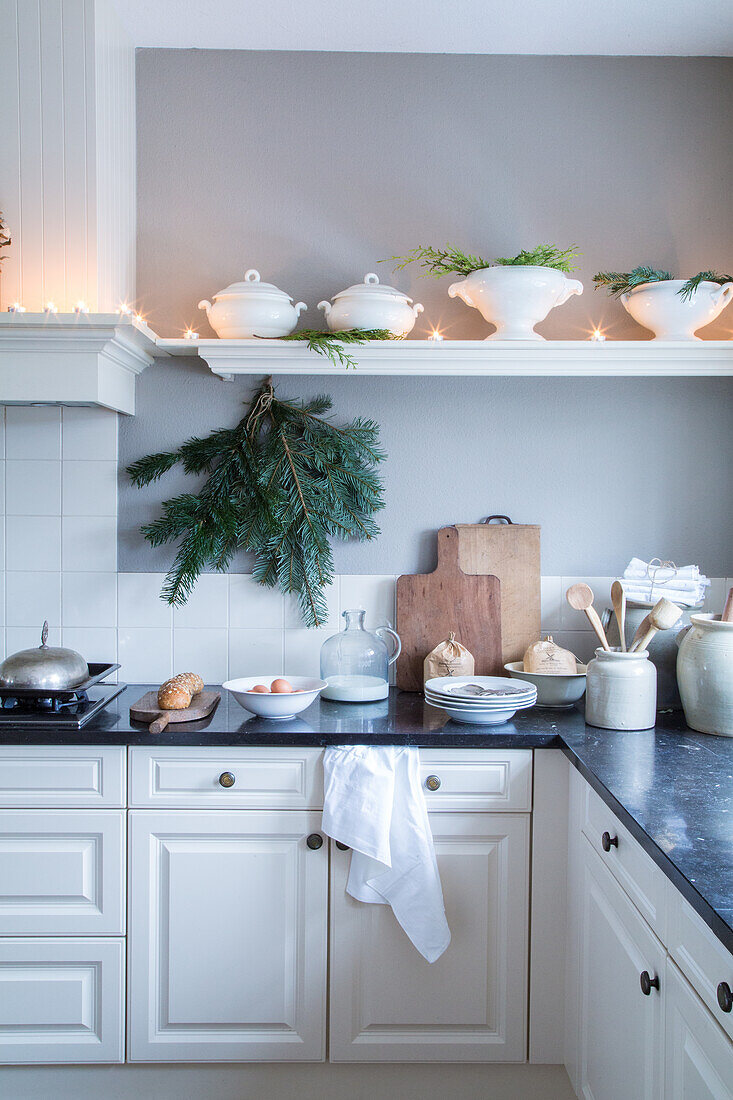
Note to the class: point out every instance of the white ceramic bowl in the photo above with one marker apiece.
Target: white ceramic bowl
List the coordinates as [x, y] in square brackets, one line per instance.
[515, 298]
[660, 307]
[553, 690]
[267, 705]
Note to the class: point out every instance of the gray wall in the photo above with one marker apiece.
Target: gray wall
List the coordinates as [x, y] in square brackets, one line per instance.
[312, 167]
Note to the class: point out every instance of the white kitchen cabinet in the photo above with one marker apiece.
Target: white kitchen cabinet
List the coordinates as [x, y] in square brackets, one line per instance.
[61, 1000]
[388, 1004]
[227, 936]
[620, 1028]
[698, 1054]
[62, 872]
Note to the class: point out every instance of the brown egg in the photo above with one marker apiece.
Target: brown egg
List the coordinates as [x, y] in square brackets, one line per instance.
[280, 687]
[261, 688]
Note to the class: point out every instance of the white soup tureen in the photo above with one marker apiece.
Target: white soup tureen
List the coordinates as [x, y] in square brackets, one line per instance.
[252, 308]
[370, 305]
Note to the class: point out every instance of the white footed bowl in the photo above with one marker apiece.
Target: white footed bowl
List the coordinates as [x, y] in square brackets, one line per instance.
[285, 705]
[659, 307]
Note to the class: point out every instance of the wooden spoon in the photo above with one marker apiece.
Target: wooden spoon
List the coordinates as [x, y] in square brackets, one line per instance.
[618, 599]
[580, 597]
[727, 616]
[662, 616]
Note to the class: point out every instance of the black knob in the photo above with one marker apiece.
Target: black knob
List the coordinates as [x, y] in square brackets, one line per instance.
[314, 841]
[648, 983]
[725, 997]
[608, 842]
[342, 847]
[226, 779]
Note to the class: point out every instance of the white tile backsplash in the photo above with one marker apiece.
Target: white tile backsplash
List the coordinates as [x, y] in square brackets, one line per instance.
[208, 604]
[33, 543]
[96, 644]
[89, 488]
[302, 651]
[89, 600]
[253, 606]
[31, 598]
[376, 594]
[293, 620]
[252, 652]
[139, 603]
[146, 656]
[32, 488]
[89, 435]
[89, 544]
[33, 432]
[201, 649]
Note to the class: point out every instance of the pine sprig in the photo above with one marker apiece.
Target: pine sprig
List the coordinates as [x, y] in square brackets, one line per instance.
[621, 282]
[331, 344]
[692, 285]
[281, 485]
[452, 261]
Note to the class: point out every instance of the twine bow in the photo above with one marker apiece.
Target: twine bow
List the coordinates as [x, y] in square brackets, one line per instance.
[653, 568]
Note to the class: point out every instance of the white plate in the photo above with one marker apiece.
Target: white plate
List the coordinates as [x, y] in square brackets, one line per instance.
[482, 700]
[495, 718]
[528, 701]
[440, 705]
[453, 687]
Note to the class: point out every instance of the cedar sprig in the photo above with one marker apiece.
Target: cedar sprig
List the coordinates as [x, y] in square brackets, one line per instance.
[545, 255]
[621, 282]
[691, 286]
[452, 261]
[280, 485]
[331, 344]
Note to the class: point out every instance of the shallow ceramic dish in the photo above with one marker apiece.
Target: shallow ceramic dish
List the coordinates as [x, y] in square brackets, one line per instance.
[450, 688]
[278, 705]
[482, 718]
[557, 691]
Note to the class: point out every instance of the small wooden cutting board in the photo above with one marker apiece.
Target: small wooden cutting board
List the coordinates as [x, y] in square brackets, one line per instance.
[147, 710]
[430, 605]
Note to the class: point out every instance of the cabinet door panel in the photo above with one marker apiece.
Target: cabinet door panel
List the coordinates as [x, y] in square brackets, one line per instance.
[56, 776]
[620, 1027]
[699, 1055]
[62, 872]
[389, 1004]
[61, 1000]
[227, 937]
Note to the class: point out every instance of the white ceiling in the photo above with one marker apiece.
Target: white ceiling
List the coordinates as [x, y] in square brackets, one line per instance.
[655, 27]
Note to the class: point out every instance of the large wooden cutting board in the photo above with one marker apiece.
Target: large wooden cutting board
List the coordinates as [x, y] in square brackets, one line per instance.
[511, 552]
[147, 709]
[431, 605]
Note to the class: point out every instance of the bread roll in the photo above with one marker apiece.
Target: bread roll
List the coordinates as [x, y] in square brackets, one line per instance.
[174, 697]
[190, 680]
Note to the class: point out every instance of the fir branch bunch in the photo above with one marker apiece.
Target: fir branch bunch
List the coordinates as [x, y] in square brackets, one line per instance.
[280, 485]
[621, 282]
[331, 344]
[691, 286]
[451, 261]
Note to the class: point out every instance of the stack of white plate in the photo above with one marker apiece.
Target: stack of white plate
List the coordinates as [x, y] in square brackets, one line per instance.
[480, 700]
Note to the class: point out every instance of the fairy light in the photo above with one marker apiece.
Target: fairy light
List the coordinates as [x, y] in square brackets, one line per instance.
[81, 307]
[436, 336]
[139, 318]
[50, 307]
[189, 334]
[124, 310]
[597, 336]
[16, 308]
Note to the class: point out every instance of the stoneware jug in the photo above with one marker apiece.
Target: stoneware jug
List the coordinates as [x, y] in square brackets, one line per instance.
[621, 691]
[705, 675]
[662, 648]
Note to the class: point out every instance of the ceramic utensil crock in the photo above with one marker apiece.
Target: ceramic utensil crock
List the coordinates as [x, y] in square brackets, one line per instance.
[705, 675]
[662, 648]
[621, 691]
[252, 308]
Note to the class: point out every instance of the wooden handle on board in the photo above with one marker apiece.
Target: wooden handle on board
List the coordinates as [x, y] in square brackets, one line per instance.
[448, 550]
[595, 622]
[727, 616]
[158, 724]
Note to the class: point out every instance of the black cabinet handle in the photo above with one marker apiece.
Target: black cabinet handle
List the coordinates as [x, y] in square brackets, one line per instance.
[648, 983]
[314, 841]
[608, 842]
[342, 847]
[725, 997]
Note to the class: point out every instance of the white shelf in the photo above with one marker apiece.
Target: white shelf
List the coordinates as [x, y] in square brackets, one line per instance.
[502, 358]
[73, 359]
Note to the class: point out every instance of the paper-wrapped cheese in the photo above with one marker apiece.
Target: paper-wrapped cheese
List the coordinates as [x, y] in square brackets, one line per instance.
[450, 658]
[548, 657]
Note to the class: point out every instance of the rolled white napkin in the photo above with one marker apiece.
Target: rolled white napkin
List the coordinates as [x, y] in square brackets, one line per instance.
[374, 803]
[648, 582]
[640, 569]
[646, 593]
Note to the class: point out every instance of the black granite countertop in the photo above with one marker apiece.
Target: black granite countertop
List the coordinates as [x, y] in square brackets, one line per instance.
[672, 788]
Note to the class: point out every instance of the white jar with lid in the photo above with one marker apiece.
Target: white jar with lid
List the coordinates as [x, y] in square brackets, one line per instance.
[371, 305]
[621, 691]
[252, 308]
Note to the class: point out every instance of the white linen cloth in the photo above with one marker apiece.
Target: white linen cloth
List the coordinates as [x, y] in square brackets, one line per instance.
[648, 582]
[374, 803]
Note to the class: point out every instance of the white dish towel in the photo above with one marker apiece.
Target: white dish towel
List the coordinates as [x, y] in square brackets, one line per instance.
[374, 803]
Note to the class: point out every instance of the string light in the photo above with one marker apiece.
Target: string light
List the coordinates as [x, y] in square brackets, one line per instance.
[189, 334]
[139, 318]
[16, 308]
[436, 336]
[50, 307]
[81, 307]
[124, 310]
[597, 336]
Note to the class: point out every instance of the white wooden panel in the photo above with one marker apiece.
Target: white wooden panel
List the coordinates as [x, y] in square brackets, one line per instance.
[573, 941]
[698, 1055]
[277, 778]
[10, 273]
[388, 1004]
[549, 906]
[62, 872]
[621, 1030]
[637, 873]
[61, 1000]
[483, 779]
[62, 776]
[699, 954]
[228, 923]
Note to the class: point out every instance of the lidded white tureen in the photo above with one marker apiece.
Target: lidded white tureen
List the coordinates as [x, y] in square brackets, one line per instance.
[370, 305]
[252, 308]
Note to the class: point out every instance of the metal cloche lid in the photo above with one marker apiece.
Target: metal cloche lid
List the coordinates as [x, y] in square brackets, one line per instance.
[372, 287]
[46, 667]
[252, 286]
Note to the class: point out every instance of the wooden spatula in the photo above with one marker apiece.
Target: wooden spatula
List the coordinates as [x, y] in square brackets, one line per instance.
[662, 616]
[580, 596]
[618, 599]
[727, 616]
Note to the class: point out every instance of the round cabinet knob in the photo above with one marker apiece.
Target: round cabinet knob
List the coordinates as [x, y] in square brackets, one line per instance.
[647, 983]
[725, 997]
[314, 841]
[433, 782]
[342, 847]
[227, 779]
[608, 842]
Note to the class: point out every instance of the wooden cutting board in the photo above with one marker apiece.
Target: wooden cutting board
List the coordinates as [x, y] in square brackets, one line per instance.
[511, 552]
[431, 605]
[147, 709]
